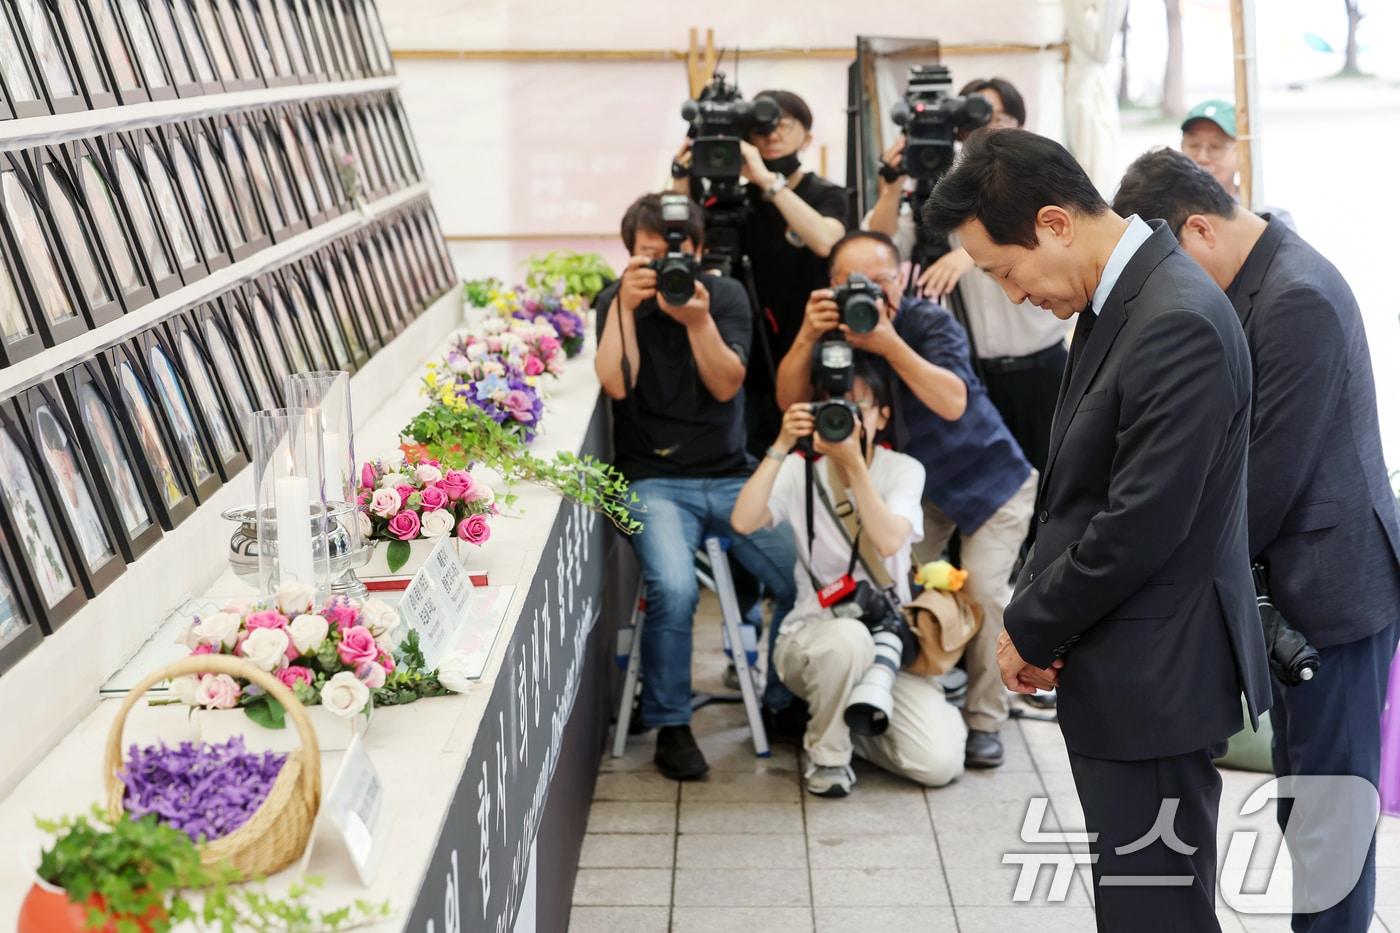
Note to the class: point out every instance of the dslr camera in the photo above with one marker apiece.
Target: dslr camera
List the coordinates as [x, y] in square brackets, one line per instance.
[676, 271]
[832, 376]
[931, 116]
[719, 120]
[859, 300]
[870, 704]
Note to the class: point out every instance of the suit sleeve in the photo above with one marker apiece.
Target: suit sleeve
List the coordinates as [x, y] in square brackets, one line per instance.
[1300, 369]
[1174, 419]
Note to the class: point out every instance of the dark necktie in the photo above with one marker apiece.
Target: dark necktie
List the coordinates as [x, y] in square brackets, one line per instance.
[1083, 326]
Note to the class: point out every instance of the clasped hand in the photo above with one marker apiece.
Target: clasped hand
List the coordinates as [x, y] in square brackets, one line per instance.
[1021, 676]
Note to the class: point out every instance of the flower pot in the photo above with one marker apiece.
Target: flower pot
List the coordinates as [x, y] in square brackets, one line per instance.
[418, 551]
[333, 734]
[47, 909]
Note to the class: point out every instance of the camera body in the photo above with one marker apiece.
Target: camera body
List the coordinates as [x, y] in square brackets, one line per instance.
[676, 271]
[719, 120]
[859, 300]
[832, 375]
[931, 115]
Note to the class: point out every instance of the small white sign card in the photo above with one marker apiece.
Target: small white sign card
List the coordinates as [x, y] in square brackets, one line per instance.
[435, 603]
[355, 808]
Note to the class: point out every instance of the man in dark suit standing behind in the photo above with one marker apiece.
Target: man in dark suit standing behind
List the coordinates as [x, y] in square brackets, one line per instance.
[1137, 599]
[1321, 517]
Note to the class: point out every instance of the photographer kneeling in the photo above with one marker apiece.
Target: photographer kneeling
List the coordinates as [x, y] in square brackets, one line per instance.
[822, 651]
[674, 369]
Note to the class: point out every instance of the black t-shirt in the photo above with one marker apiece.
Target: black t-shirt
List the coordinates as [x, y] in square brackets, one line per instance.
[670, 425]
[785, 275]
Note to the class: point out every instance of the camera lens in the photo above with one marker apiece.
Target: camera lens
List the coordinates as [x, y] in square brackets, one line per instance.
[675, 283]
[835, 422]
[860, 313]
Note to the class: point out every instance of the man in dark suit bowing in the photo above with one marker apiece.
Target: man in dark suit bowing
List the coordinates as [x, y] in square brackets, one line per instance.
[1322, 520]
[1137, 599]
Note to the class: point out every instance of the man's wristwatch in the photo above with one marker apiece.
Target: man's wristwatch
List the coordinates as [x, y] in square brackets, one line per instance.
[779, 183]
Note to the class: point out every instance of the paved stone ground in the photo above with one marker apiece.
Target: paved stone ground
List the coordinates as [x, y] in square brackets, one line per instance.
[746, 850]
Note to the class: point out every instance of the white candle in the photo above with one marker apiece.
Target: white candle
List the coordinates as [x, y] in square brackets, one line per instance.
[333, 453]
[292, 501]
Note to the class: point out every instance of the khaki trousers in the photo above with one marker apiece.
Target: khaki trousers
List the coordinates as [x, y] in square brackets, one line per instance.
[823, 660]
[988, 556]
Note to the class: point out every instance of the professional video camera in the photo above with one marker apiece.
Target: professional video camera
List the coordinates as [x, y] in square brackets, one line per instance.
[1291, 657]
[676, 271]
[833, 375]
[719, 120]
[859, 300]
[931, 117]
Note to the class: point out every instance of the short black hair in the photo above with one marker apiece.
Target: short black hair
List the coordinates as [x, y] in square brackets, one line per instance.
[791, 105]
[645, 214]
[854, 235]
[1011, 100]
[1003, 178]
[1167, 184]
[875, 373]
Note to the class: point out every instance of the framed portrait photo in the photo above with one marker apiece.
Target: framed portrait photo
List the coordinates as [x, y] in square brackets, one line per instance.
[359, 280]
[179, 60]
[155, 450]
[54, 64]
[76, 167]
[305, 352]
[94, 72]
[77, 491]
[198, 48]
[168, 252]
[185, 374]
[205, 201]
[270, 44]
[346, 292]
[230, 317]
[315, 307]
[242, 146]
[372, 40]
[328, 46]
[19, 336]
[201, 334]
[150, 61]
[111, 41]
[19, 635]
[283, 354]
[242, 228]
[20, 92]
[326, 293]
[372, 243]
[95, 416]
[173, 393]
[40, 264]
[235, 73]
[47, 567]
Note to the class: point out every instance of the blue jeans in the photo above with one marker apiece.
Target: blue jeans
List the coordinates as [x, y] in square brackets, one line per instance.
[679, 514]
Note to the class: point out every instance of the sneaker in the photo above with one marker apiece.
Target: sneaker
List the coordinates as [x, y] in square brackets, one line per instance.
[677, 755]
[829, 780]
[983, 750]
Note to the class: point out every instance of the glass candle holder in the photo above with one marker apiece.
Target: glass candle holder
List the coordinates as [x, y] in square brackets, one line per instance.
[291, 509]
[328, 393]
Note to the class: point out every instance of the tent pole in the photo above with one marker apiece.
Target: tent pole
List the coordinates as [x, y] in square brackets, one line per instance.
[1246, 93]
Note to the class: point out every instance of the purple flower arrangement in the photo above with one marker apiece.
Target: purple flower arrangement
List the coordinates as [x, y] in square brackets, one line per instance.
[563, 312]
[473, 377]
[206, 791]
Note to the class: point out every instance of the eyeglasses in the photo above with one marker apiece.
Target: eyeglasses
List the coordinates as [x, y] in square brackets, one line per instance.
[884, 278]
[784, 125]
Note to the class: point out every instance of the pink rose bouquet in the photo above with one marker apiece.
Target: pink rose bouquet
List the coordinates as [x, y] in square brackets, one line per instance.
[417, 499]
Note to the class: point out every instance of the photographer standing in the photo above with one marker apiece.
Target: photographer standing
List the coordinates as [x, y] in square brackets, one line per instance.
[977, 482]
[1020, 349]
[1322, 520]
[792, 219]
[819, 654]
[675, 375]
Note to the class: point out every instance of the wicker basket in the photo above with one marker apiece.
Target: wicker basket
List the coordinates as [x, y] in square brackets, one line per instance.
[277, 833]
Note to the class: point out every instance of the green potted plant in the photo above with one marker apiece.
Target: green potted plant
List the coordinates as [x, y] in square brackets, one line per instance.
[584, 274]
[120, 875]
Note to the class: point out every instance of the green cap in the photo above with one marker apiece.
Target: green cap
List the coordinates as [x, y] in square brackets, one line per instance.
[1219, 112]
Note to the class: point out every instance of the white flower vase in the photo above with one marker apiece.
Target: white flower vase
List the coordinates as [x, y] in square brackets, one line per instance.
[333, 733]
[419, 550]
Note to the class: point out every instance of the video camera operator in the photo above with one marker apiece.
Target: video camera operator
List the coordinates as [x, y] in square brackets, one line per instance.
[978, 484]
[1020, 349]
[791, 219]
[673, 364]
[821, 652]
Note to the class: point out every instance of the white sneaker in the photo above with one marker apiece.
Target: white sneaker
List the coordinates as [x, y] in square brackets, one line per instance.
[829, 781]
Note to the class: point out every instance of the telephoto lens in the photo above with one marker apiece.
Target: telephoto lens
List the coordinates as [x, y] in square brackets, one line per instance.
[859, 300]
[835, 419]
[872, 701]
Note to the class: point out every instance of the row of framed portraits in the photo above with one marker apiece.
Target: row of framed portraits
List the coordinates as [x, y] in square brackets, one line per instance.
[100, 461]
[93, 228]
[62, 56]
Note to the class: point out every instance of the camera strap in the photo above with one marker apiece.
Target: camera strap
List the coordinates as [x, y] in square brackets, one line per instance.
[809, 465]
[845, 515]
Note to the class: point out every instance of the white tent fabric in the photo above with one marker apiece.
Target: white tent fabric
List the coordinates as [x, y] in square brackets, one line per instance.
[1091, 104]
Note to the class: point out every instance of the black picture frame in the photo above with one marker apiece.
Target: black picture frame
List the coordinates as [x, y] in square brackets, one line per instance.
[306, 287]
[47, 568]
[334, 145]
[266, 33]
[379, 59]
[216, 38]
[403, 133]
[435, 240]
[359, 278]
[267, 333]
[326, 289]
[179, 65]
[131, 513]
[382, 179]
[288, 169]
[110, 38]
[94, 546]
[108, 215]
[398, 297]
[21, 93]
[51, 57]
[94, 71]
[158, 214]
[200, 332]
[239, 221]
[147, 55]
[229, 317]
[155, 453]
[332, 57]
[341, 276]
[54, 307]
[393, 156]
[244, 146]
[414, 284]
[205, 76]
[355, 61]
[415, 234]
[281, 15]
[205, 216]
[20, 335]
[88, 265]
[19, 634]
[296, 329]
[242, 184]
[296, 13]
[317, 151]
[192, 368]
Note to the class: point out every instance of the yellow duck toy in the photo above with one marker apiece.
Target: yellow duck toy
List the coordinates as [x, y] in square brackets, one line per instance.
[941, 575]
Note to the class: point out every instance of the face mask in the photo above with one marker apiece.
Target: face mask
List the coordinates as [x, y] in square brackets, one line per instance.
[787, 165]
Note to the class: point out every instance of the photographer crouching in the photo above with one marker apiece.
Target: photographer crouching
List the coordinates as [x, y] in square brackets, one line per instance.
[828, 642]
[977, 483]
[672, 351]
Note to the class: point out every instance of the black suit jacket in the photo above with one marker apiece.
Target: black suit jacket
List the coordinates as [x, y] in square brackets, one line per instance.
[1321, 514]
[1140, 572]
